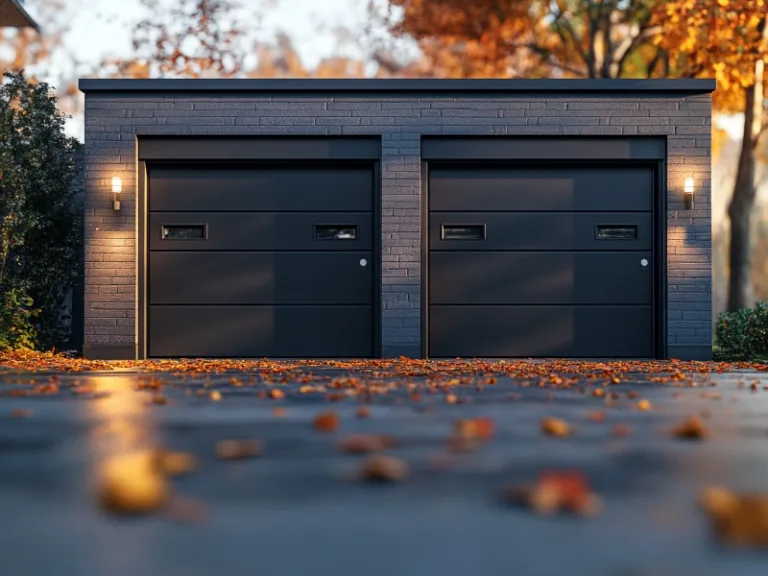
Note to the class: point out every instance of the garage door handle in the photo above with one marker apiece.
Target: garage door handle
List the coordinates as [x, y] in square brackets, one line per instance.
[644, 262]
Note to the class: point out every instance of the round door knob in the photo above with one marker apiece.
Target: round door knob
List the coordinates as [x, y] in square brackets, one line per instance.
[363, 262]
[643, 262]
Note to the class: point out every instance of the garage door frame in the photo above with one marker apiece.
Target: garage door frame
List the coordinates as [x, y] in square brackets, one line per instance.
[272, 151]
[541, 150]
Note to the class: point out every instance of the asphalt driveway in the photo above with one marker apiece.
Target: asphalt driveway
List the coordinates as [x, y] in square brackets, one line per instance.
[299, 508]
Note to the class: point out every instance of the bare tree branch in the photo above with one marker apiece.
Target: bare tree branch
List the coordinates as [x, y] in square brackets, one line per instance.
[563, 26]
[630, 44]
[546, 57]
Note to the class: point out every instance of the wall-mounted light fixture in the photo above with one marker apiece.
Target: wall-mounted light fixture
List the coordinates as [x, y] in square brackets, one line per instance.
[688, 190]
[117, 189]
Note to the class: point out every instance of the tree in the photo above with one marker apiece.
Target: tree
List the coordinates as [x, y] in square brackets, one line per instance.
[509, 38]
[280, 59]
[189, 38]
[47, 53]
[726, 39]
[40, 233]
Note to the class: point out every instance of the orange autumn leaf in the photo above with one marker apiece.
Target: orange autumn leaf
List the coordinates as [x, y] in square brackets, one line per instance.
[326, 422]
[383, 469]
[555, 427]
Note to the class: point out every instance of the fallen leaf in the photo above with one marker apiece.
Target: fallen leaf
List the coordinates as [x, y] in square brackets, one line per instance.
[174, 463]
[21, 413]
[555, 427]
[384, 469]
[215, 395]
[238, 449]
[276, 394]
[363, 412]
[326, 422]
[362, 444]
[482, 428]
[278, 411]
[691, 428]
[159, 399]
[739, 520]
[644, 406]
[573, 491]
[596, 416]
[556, 492]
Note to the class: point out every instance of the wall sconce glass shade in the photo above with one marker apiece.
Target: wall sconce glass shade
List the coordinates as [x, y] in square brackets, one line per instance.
[688, 190]
[117, 189]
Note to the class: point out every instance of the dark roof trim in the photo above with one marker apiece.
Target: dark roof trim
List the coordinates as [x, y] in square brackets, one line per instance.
[689, 86]
[14, 15]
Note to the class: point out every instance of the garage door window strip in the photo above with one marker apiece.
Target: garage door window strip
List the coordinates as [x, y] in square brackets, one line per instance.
[462, 232]
[615, 232]
[335, 231]
[184, 232]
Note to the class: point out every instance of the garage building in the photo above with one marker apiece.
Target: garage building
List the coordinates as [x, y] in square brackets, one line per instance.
[381, 218]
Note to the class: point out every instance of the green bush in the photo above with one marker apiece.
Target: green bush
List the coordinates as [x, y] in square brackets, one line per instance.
[40, 224]
[743, 335]
[17, 324]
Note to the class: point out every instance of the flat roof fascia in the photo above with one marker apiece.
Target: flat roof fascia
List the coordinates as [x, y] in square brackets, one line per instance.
[17, 16]
[583, 87]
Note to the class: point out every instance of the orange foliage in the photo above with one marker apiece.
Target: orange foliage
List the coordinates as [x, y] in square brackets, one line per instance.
[571, 38]
[28, 50]
[190, 40]
[722, 39]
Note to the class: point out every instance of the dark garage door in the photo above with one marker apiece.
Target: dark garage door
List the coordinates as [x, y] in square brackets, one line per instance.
[255, 261]
[551, 261]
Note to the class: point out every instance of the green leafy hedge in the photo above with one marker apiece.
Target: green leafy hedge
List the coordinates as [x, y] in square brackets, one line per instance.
[17, 324]
[743, 335]
[40, 224]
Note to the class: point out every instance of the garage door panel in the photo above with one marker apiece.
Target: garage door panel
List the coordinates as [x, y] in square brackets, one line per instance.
[458, 231]
[540, 331]
[541, 189]
[260, 278]
[299, 188]
[259, 331]
[540, 278]
[260, 231]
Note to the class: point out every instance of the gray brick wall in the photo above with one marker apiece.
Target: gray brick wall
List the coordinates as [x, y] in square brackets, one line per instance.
[112, 124]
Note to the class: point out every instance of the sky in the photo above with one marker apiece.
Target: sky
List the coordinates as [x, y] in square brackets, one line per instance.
[103, 28]
[307, 21]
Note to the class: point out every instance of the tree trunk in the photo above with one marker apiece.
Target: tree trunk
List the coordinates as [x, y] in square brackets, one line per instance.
[740, 214]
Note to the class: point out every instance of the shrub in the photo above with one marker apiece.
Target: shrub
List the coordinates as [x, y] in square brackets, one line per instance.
[743, 335]
[40, 227]
[17, 329]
